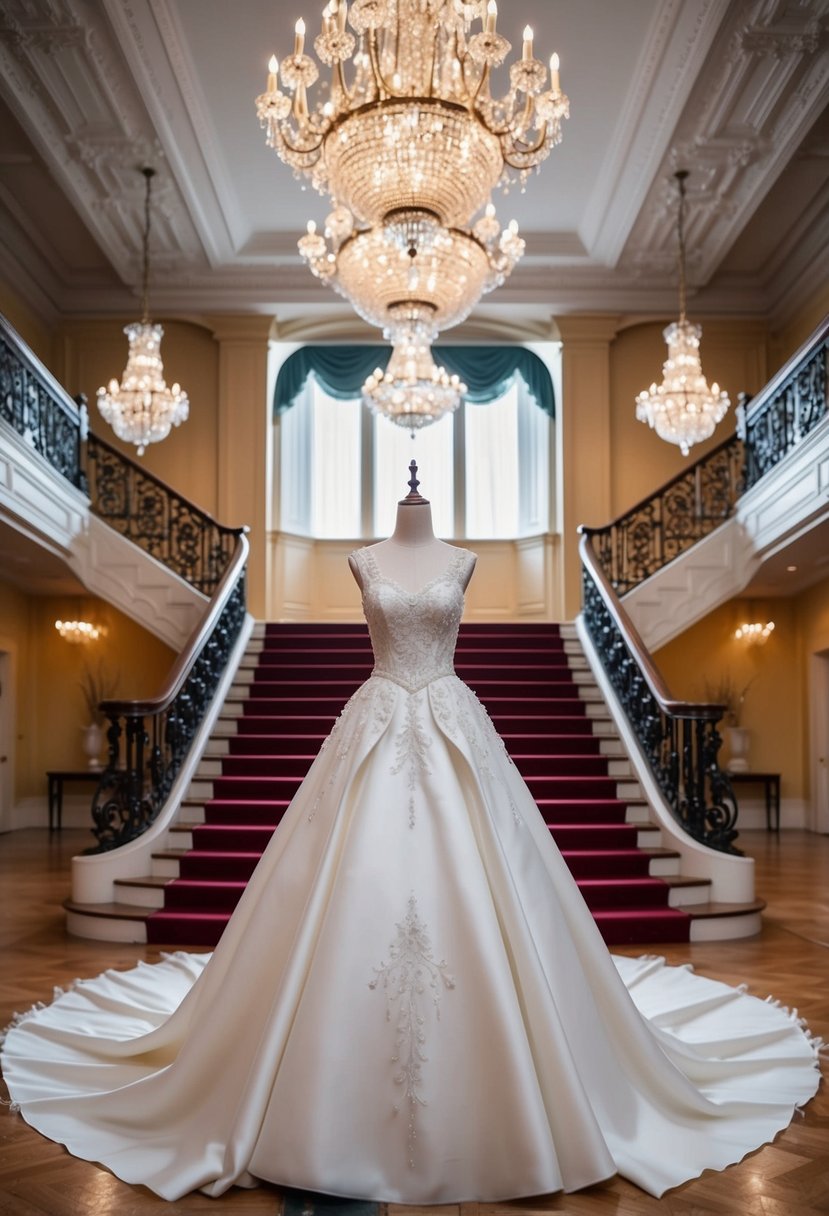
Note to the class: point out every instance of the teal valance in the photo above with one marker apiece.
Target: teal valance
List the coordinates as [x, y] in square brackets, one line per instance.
[486, 370]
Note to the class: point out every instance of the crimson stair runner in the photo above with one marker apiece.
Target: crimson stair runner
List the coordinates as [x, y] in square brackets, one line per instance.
[305, 674]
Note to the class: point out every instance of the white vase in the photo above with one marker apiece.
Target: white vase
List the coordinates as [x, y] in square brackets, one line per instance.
[93, 741]
[739, 743]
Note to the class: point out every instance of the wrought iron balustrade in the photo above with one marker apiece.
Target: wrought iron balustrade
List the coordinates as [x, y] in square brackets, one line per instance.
[149, 740]
[144, 509]
[787, 410]
[39, 410]
[679, 739]
[702, 497]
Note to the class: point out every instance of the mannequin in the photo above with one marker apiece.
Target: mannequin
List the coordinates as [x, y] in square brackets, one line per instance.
[412, 556]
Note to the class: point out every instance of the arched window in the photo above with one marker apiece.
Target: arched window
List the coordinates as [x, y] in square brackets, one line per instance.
[486, 469]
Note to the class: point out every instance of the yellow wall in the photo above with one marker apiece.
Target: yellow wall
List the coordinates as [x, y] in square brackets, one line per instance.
[776, 706]
[50, 707]
[696, 663]
[786, 340]
[32, 329]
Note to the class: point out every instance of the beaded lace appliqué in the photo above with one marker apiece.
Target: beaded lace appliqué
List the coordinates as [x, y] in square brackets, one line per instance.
[411, 980]
[412, 743]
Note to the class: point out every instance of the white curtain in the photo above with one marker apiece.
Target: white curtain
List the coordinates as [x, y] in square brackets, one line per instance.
[432, 451]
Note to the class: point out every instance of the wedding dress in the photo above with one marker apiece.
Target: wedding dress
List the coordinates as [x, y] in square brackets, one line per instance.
[411, 1003]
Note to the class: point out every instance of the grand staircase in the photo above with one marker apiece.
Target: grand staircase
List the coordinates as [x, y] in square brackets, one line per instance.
[539, 690]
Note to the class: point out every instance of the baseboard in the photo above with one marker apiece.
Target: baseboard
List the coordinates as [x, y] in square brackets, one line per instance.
[752, 816]
[34, 812]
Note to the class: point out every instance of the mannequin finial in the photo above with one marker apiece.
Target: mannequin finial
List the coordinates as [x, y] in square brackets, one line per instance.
[413, 498]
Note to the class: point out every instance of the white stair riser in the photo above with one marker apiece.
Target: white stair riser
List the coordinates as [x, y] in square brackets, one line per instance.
[684, 897]
[141, 897]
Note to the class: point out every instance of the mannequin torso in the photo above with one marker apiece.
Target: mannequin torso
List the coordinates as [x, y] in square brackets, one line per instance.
[412, 556]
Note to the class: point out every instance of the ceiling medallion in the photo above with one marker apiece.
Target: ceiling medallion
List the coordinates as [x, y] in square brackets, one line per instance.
[409, 142]
[682, 409]
[142, 409]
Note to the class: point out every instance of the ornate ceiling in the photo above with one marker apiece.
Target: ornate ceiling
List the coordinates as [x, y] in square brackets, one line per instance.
[735, 91]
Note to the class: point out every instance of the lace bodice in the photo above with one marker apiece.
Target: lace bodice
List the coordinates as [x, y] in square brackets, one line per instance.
[413, 634]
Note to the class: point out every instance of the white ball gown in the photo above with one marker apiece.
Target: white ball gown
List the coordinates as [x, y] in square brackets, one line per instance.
[412, 1002]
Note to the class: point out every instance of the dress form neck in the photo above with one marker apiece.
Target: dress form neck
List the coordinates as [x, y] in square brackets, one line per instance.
[413, 525]
[412, 556]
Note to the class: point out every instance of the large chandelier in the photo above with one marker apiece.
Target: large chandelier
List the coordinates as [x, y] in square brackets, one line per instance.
[408, 142]
[142, 409]
[682, 409]
[416, 127]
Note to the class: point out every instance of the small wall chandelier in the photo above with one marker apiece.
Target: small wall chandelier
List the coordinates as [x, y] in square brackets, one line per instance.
[755, 633]
[409, 144]
[79, 632]
[682, 409]
[142, 409]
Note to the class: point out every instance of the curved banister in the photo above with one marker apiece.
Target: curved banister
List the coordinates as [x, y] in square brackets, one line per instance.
[691, 709]
[194, 644]
[149, 739]
[678, 739]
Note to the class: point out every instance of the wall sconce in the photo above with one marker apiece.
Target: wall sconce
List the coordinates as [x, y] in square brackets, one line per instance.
[79, 632]
[755, 634]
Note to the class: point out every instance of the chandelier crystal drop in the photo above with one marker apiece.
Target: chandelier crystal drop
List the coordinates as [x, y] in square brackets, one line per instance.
[413, 391]
[682, 409]
[142, 409]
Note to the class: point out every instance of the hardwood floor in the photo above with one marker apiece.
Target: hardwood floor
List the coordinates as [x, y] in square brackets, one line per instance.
[790, 959]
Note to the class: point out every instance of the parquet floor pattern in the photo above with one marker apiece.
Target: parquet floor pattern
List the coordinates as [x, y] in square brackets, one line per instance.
[789, 959]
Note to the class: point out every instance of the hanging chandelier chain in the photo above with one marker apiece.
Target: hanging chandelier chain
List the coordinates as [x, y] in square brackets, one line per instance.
[680, 176]
[149, 174]
[142, 409]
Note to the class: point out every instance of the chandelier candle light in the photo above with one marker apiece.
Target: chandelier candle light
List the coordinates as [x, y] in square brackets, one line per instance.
[142, 409]
[682, 409]
[409, 144]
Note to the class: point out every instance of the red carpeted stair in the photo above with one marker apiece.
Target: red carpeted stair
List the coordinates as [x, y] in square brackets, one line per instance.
[303, 676]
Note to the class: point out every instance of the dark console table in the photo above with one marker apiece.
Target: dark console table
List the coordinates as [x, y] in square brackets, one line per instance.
[57, 778]
[771, 784]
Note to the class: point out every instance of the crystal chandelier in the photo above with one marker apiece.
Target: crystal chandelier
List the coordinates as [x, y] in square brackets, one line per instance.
[409, 142]
[412, 270]
[142, 409]
[413, 391]
[416, 126]
[682, 409]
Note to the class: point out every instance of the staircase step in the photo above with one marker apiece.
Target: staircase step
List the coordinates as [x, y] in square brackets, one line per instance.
[630, 926]
[537, 686]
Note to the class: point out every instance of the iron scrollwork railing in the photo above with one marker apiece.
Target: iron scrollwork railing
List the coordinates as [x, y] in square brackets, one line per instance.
[39, 410]
[148, 512]
[787, 410]
[698, 500]
[675, 518]
[679, 739]
[149, 740]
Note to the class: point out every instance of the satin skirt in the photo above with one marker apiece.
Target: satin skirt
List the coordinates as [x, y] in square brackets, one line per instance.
[411, 1004]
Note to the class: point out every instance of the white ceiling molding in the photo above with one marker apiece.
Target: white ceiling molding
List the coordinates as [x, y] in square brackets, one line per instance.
[734, 90]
